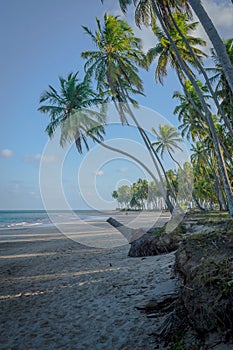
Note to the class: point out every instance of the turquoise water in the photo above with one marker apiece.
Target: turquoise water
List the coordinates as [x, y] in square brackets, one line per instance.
[21, 218]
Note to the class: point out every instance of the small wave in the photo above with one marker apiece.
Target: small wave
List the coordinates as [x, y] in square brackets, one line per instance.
[20, 224]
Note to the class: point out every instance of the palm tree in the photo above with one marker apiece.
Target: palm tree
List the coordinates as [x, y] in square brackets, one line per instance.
[222, 89]
[207, 113]
[115, 195]
[115, 62]
[208, 116]
[164, 50]
[167, 140]
[195, 128]
[190, 112]
[153, 194]
[69, 109]
[114, 66]
[164, 10]
[124, 195]
[168, 137]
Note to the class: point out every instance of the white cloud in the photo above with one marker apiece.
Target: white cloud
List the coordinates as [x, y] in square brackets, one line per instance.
[221, 14]
[6, 153]
[40, 158]
[99, 173]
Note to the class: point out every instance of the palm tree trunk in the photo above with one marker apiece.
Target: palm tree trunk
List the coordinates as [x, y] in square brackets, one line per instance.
[150, 149]
[197, 202]
[152, 154]
[221, 199]
[209, 120]
[215, 39]
[218, 190]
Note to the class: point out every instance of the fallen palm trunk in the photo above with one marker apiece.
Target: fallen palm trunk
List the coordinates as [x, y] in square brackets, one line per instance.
[153, 242]
[129, 233]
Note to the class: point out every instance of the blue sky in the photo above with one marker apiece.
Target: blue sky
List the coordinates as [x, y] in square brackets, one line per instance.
[40, 41]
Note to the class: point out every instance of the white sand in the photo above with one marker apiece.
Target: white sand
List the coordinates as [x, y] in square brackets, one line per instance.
[58, 294]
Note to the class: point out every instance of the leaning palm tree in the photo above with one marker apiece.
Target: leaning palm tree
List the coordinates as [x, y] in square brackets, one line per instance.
[222, 88]
[164, 51]
[70, 110]
[168, 139]
[115, 62]
[190, 112]
[191, 115]
[114, 65]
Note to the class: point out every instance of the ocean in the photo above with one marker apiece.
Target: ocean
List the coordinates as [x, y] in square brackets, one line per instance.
[23, 218]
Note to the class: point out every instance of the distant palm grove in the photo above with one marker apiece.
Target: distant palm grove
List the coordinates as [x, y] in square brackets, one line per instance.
[204, 103]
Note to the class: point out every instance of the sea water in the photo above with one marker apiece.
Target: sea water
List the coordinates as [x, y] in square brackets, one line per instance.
[23, 218]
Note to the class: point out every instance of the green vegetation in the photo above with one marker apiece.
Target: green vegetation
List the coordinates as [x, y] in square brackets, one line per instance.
[144, 195]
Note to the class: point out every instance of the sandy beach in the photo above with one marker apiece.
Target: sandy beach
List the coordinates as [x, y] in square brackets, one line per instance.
[57, 293]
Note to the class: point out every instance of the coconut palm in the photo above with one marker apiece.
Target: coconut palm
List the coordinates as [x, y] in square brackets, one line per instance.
[164, 52]
[115, 62]
[223, 90]
[167, 140]
[190, 113]
[114, 65]
[153, 194]
[70, 110]
[207, 114]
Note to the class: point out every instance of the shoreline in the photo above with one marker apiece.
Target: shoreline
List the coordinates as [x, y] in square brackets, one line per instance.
[67, 218]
